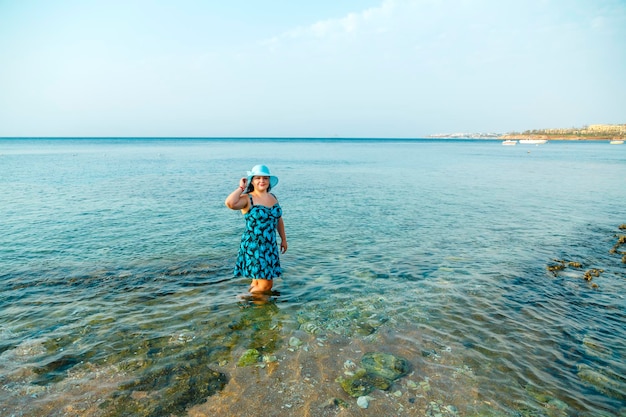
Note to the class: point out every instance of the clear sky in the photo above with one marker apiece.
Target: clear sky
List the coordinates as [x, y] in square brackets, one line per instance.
[323, 68]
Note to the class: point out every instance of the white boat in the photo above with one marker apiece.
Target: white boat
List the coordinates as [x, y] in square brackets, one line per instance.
[509, 142]
[617, 142]
[533, 141]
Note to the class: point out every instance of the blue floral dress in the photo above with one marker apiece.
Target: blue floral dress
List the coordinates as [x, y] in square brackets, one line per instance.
[258, 252]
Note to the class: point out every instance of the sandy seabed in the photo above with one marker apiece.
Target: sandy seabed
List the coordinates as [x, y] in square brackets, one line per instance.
[300, 382]
[303, 383]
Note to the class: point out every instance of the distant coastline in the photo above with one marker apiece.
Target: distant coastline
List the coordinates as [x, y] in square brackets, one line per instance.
[516, 136]
[585, 133]
[588, 132]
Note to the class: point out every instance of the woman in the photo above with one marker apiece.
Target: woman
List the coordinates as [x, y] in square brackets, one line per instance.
[258, 253]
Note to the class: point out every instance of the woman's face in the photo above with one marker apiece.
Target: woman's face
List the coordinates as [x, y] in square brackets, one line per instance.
[260, 182]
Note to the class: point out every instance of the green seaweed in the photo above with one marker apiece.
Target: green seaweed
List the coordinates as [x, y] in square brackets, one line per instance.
[171, 389]
[249, 357]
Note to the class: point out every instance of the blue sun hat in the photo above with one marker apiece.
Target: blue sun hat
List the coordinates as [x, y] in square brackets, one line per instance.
[262, 171]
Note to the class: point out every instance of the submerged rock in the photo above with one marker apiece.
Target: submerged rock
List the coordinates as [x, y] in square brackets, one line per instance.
[170, 390]
[603, 381]
[363, 401]
[55, 370]
[295, 342]
[378, 371]
[438, 409]
[547, 400]
[385, 365]
[594, 272]
[621, 240]
[555, 268]
[349, 365]
[596, 348]
[311, 327]
[346, 318]
[358, 384]
[336, 403]
[365, 328]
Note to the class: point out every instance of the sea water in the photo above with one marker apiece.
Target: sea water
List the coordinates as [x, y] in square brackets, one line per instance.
[495, 271]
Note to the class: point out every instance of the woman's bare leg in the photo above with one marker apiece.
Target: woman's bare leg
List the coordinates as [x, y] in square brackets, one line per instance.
[261, 285]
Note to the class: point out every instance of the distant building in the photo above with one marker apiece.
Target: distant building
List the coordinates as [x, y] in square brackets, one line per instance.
[591, 130]
[610, 129]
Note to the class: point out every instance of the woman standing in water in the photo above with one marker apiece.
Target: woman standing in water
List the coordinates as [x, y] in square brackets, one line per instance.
[258, 253]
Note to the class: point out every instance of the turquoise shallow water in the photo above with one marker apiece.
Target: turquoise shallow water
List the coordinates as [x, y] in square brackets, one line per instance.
[116, 258]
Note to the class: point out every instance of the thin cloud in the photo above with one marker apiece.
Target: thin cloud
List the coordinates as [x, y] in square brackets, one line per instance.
[375, 19]
[403, 67]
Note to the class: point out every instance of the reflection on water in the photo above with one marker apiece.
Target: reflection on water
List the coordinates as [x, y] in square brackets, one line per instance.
[455, 274]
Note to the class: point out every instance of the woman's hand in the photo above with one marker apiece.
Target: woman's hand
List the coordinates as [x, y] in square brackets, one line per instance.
[280, 227]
